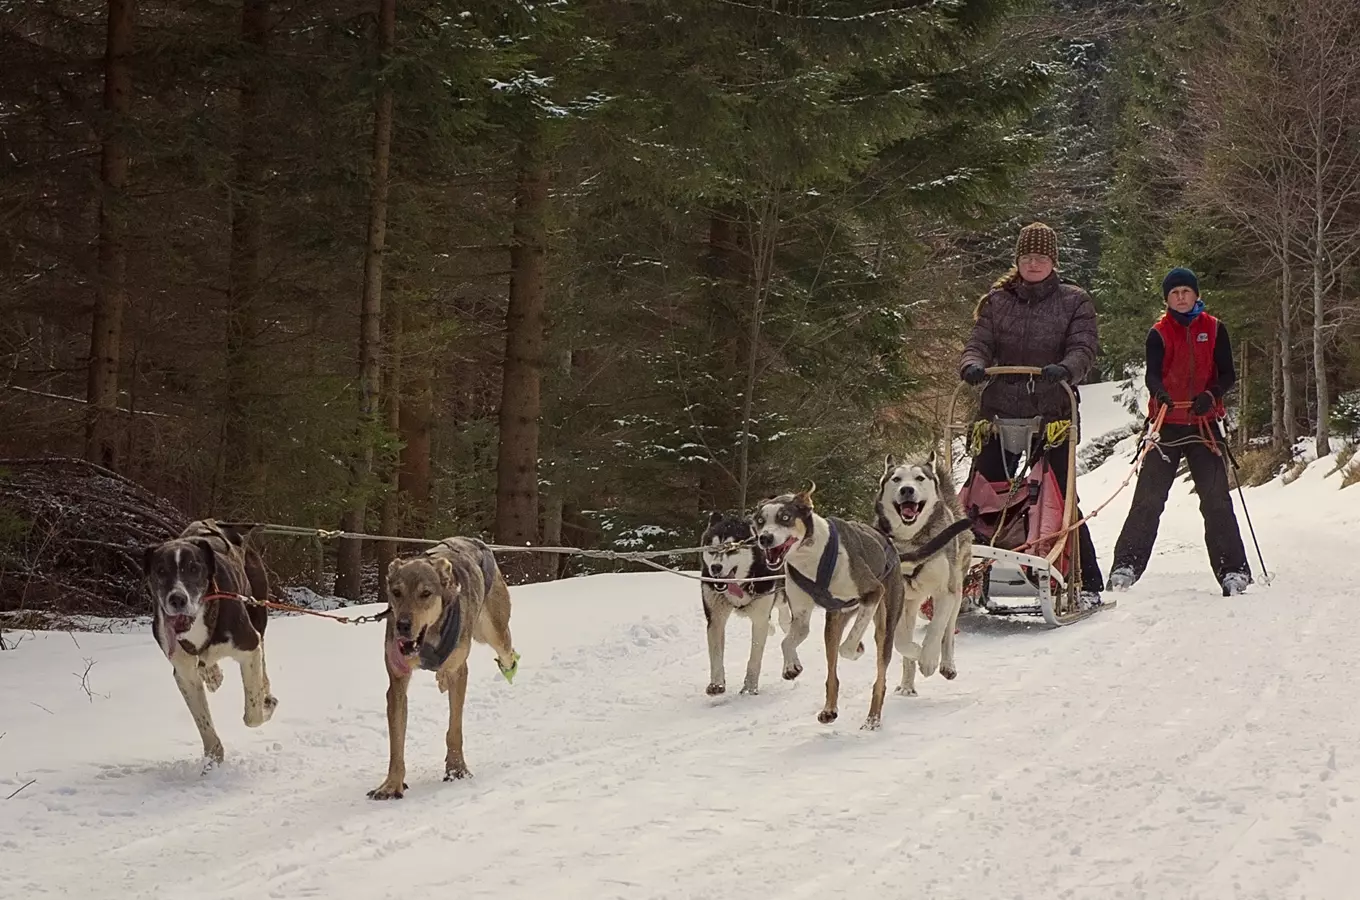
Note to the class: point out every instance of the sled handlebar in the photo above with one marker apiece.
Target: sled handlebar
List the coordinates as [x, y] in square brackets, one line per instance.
[1013, 370]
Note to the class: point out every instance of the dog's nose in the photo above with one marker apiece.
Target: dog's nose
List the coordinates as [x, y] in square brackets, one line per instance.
[766, 539]
[906, 490]
[404, 627]
[177, 601]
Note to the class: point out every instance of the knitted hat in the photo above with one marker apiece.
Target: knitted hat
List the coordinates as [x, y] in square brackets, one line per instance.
[1179, 277]
[1037, 238]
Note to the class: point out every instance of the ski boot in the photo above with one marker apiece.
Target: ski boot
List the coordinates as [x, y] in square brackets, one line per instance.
[1122, 578]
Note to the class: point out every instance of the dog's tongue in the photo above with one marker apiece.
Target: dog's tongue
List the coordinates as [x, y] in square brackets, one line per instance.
[396, 660]
[909, 509]
[778, 553]
[735, 589]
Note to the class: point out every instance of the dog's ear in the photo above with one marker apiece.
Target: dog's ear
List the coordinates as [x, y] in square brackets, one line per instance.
[444, 569]
[209, 557]
[889, 463]
[803, 499]
[392, 568]
[933, 460]
[714, 517]
[148, 554]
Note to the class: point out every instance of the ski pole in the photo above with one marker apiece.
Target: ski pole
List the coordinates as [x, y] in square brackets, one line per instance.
[1265, 575]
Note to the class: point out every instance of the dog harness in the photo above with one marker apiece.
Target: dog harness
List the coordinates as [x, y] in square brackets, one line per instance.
[820, 590]
[432, 657]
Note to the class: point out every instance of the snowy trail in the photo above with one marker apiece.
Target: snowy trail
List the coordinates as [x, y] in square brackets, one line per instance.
[1181, 745]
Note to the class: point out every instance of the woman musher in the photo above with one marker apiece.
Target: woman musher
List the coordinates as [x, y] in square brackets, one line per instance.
[1032, 317]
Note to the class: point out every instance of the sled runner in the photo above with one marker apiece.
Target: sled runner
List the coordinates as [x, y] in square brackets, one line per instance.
[1025, 547]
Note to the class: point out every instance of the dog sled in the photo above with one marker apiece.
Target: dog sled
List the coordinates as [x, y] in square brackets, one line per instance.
[1026, 555]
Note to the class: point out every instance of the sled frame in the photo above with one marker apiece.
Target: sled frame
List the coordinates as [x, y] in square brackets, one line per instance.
[1057, 607]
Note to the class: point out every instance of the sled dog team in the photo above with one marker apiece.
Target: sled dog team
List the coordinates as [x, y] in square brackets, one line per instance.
[918, 546]
[443, 599]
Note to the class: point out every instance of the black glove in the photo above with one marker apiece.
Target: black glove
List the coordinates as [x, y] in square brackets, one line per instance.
[1055, 372]
[1203, 403]
[1162, 398]
[973, 374]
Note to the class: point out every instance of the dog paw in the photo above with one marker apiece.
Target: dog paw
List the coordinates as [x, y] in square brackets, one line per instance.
[872, 723]
[906, 690]
[852, 653]
[456, 772]
[949, 672]
[826, 716]
[750, 689]
[271, 703]
[387, 791]
[929, 662]
[793, 671]
[254, 718]
[211, 675]
[715, 689]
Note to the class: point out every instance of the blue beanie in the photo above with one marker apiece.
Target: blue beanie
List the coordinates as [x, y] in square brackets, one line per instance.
[1179, 277]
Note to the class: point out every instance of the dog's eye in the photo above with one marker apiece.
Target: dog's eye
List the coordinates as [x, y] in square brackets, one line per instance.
[896, 478]
[396, 592]
[783, 518]
[426, 595]
[920, 478]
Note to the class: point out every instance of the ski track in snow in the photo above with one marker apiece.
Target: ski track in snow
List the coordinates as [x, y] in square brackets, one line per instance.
[1181, 745]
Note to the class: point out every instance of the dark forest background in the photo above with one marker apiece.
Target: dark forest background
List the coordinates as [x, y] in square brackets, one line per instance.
[579, 272]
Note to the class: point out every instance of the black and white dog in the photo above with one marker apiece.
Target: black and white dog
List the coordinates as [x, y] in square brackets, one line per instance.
[196, 581]
[739, 592]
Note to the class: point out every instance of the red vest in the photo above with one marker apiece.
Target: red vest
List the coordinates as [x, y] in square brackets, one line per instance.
[1188, 366]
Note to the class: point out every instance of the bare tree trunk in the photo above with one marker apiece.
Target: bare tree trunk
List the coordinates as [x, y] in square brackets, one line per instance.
[764, 233]
[1287, 358]
[1323, 427]
[244, 465]
[1277, 434]
[350, 556]
[392, 382]
[521, 374]
[552, 532]
[106, 329]
[1244, 399]
[414, 422]
[723, 266]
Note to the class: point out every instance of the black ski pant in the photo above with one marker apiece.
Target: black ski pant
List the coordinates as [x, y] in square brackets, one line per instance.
[994, 465]
[1210, 474]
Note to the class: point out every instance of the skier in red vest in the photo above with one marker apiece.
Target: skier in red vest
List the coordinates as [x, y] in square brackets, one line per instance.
[1189, 369]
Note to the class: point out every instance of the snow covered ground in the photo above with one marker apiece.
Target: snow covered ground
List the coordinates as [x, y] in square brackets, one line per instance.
[1181, 746]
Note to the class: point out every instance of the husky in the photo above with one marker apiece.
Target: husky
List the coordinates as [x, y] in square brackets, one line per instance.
[755, 600]
[197, 581]
[849, 569]
[439, 602]
[916, 504]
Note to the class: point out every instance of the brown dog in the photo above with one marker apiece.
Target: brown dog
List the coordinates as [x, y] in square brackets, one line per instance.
[195, 581]
[440, 602]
